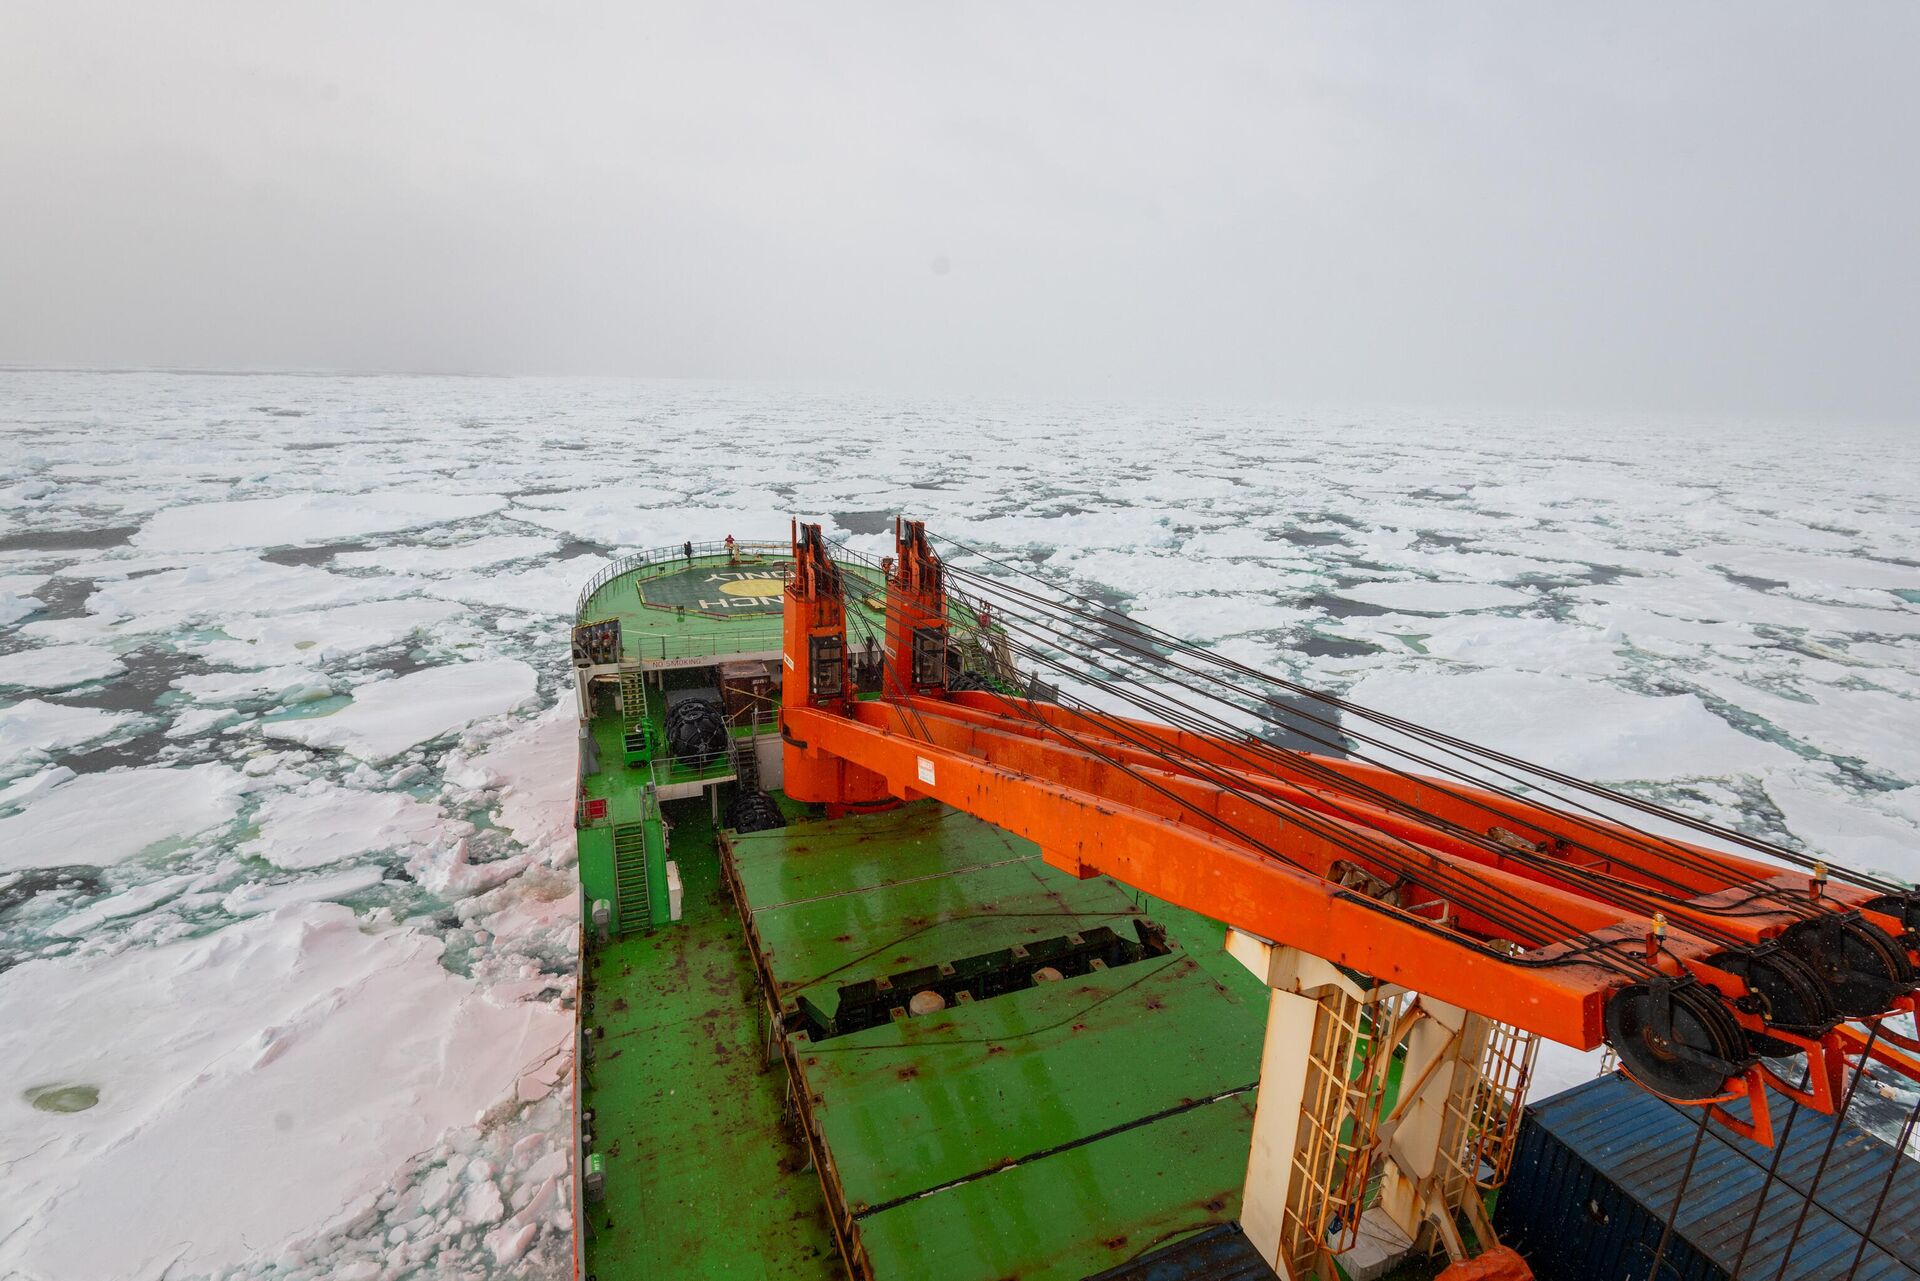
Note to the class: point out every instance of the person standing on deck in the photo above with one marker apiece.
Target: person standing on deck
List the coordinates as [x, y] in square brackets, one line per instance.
[733, 555]
[686, 549]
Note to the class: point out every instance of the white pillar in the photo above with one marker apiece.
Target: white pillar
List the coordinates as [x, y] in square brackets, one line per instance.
[1276, 1125]
[1311, 1005]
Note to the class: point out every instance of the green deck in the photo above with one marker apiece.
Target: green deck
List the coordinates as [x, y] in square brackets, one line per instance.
[1059, 1130]
[1088, 1120]
[703, 1179]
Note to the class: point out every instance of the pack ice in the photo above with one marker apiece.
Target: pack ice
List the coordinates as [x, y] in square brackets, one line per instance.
[287, 913]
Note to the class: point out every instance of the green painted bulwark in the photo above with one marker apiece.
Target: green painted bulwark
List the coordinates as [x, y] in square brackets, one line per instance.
[657, 905]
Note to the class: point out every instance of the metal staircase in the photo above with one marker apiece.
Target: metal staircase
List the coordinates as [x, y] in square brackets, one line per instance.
[746, 763]
[631, 902]
[633, 715]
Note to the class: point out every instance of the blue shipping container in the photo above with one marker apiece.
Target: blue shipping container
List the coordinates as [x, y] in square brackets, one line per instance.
[1597, 1168]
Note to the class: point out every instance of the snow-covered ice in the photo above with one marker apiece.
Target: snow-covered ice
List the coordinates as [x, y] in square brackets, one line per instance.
[101, 819]
[226, 587]
[32, 730]
[276, 684]
[286, 750]
[257, 1088]
[293, 519]
[58, 666]
[324, 822]
[453, 557]
[270, 896]
[531, 767]
[388, 717]
[1431, 597]
[317, 635]
[1596, 731]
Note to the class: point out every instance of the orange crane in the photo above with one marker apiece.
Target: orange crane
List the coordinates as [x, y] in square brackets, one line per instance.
[1389, 913]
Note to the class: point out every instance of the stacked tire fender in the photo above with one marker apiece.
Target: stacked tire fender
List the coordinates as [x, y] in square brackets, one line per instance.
[753, 811]
[696, 732]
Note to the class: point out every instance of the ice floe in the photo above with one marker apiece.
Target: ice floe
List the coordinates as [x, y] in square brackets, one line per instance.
[137, 899]
[279, 684]
[1809, 572]
[614, 515]
[22, 791]
[388, 717]
[100, 819]
[32, 730]
[58, 666]
[324, 823]
[228, 587]
[1594, 730]
[552, 588]
[1867, 725]
[1879, 832]
[1128, 527]
[317, 635]
[531, 768]
[1432, 597]
[255, 1088]
[478, 553]
[1209, 618]
[192, 722]
[13, 607]
[270, 896]
[288, 520]
[1529, 644]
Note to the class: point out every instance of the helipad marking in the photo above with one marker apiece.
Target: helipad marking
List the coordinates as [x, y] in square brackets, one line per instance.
[763, 588]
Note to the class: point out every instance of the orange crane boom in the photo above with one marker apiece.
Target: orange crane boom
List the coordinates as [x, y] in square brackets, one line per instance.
[1691, 962]
[1494, 918]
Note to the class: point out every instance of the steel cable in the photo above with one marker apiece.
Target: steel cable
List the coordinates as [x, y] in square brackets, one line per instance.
[1613, 889]
[1345, 731]
[1621, 893]
[1773, 1172]
[1826, 1153]
[1158, 636]
[1880, 1202]
[1616, 830]
[1455, 885]
[1679, 1196]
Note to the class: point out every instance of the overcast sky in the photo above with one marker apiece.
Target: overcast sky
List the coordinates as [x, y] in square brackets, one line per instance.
[1691, 206]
